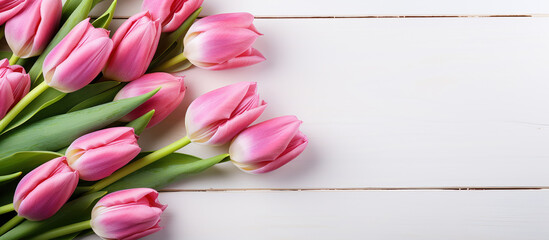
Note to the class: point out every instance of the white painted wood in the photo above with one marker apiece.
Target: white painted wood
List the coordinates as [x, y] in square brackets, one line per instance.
[355, 8]
[388, 215]
[393, 103]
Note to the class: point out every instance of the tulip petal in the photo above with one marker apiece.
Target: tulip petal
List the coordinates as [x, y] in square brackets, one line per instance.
[6, 98]
[226, 20]
[228, 130]
[294, 148]
[247, 58]
[64, 48]
[50, 12]
[9, 8]
[124, 221]
[179, 12]
[131, 196]
[219, 45]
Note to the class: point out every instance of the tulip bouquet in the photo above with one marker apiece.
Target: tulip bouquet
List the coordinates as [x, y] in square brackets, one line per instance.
[73, 101]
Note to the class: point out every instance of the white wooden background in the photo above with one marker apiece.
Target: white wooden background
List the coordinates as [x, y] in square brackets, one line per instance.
[427, 119]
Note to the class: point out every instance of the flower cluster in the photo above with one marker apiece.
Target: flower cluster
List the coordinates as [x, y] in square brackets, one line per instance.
[73, 102]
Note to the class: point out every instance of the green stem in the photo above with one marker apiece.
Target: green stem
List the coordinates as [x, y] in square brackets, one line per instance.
[62, 231]
[6, 208]
[134, 166]
[170, 63]
[13, 59]
[22, 104]
[10, 224]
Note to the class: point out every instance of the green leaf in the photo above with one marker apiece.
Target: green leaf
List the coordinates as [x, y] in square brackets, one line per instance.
[164, 171]
[105, 20]
[25, 161]
[140, 123]
[101, 98]
[48, 104]
[5, 178]
[168, 40]
[54, 133]
[74, 211]
[179, 67]
[5, 54]
[80, 13]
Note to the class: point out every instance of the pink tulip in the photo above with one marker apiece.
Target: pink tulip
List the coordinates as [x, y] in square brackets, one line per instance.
[269, 145]
[98, 154]
[222, 41]
[44, 190]
[172, 13]
[9, 8]
[164, 102]
[30, 31]
[135, 43]
[127, 214]
[14, 85]
[217, 116]
[78, 58]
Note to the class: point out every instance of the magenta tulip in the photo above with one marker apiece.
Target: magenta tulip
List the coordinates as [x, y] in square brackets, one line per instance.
[78, 58]
[9, 8]
[164, 102]
[44, 190]
[222, 41]
[127, 214]
[30, 31]
[135, 43]
[269, 145]
[172, 13]
[14, 85]
[98, 154]
[217, 116]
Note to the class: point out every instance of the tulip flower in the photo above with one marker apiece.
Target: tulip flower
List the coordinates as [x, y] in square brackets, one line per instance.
[269, 145]
[135, 43]
[217, 116]
[98, 154]
[78, 58]
[164, 102]
[44, 190]
[219, 42]
[9, 8]
[30, 31]
[127, 214]
[14, 84]
[172, 13]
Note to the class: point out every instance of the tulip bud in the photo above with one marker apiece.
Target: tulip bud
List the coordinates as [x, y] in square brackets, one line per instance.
[14, 85]
[44, 190]
[172, 13]
[9, 8]
[135, 43]
[127, 214]
[269, 145]
[222, 41]
[98, 154]
[78, 58]
[217, 116]
[30, 31]
[164, 102]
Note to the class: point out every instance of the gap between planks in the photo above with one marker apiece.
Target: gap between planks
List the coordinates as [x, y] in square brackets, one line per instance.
[360, 189]
[392, 16]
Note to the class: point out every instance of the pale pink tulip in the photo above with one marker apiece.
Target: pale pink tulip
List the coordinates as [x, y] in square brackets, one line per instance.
[222, 41]
[30, 31]
[44, 190]
[9, 8]
[164, 102]
[135, 43]
[127, 214]
[217, 116]
[78, 58]
[98, 154]
[14, 85]
[269, 145]
[172, 13]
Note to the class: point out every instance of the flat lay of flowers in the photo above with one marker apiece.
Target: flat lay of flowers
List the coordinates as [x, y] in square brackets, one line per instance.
[75, 95]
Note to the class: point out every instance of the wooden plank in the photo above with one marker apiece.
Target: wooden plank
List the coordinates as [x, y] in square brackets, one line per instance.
[356, 8]
[390, 215]
[393, 103]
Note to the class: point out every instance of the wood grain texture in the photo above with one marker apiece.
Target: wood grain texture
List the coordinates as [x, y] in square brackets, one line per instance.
[388, 215]
[393, 103]
[264, 8]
